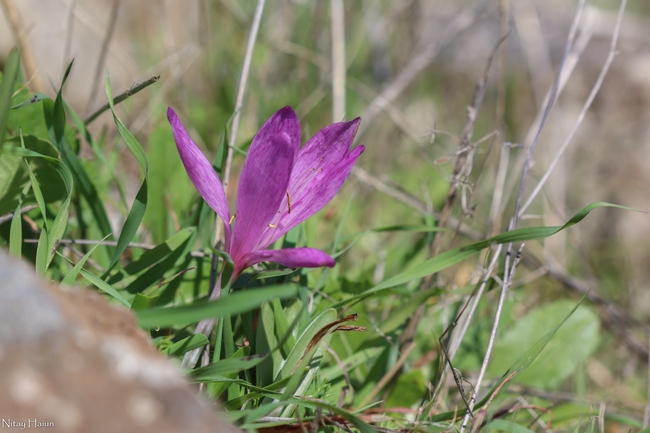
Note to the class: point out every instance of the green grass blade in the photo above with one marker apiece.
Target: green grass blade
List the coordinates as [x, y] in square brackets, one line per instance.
[104, 286]
[16, 233]
[282, 327]
[74, 272]
[130, 227]
[126, 135]
[7, 90]
[451, 257]
[80, 176]
[37, 97]
[186, 344]
[235, 303]
[41, 253]
[155, 255]
[139, 207]
[57, 229]
[16, 228]
[218, 370]
[99, 154]
[38, 194]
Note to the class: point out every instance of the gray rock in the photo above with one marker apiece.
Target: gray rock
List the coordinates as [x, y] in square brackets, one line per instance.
[71, 362]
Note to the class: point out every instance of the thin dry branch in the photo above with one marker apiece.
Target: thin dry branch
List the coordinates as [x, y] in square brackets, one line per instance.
[122, 96]
[101, 60]
[592, 95]
[338, 60]
[462, 169]
[461, 21]
[509, 271]
[28, 62]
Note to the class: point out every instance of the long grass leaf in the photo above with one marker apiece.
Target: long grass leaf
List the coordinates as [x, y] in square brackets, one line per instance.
[139, 207]
[104, 286]
[55, 119]
[16, 232]
[235, 303]
[55, 234]
[74, 272]
[451, 257]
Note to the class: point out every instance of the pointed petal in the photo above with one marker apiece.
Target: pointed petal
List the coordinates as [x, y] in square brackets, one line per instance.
[316, 177]
[262, 186]
[326, 148]
[289, 257]
[199, 170]
[283, 121]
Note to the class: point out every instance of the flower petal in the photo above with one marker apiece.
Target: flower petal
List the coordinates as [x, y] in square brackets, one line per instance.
[283, 121]
[288, 257]
[326, 148]
[199, 170]
[262, 186]
[322, 167]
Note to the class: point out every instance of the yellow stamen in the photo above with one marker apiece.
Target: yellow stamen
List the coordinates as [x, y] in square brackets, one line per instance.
[272, 226]
[289, 202]
[232, 218]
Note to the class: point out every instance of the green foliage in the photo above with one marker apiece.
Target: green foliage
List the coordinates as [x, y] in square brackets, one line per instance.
[570, 347]
[290, 345]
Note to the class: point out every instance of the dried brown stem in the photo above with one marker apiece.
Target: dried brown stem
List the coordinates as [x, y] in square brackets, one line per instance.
[28, 62]
[101, 61]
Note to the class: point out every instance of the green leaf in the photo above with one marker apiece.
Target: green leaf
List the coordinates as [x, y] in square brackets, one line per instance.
[14, 174]
[350, 417]
[142, 302]
[451, 257]
[16, 233]
[139, 207]
[401, 313]
[74, 272]
[158, 253]
[265, 339]
[38, 195]
[10, 75]
[168, 184]
[126, 135]
[570, 347]
[42, 252]
[102, 285]
[54, 113]
[357, 359]
[257, 392]
[235, 303]
[57, 228]
[219, 385]
[304, 402]
[520, 366]
[130, 227]
[220, 369]
[302, 344]
[307, 352]
[97, 151]
[37, 97]
[409, 388]
[186, 344]
[282, 327]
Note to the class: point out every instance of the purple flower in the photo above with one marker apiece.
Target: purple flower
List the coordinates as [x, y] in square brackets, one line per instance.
[281, 185]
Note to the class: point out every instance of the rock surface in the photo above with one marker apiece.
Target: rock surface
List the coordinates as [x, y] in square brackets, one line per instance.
[71, 362]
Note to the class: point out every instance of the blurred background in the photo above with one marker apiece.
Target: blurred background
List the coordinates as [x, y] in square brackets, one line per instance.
[411, 69]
